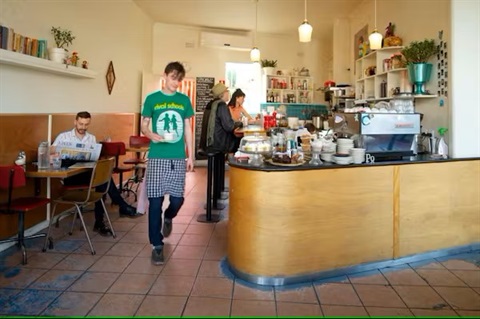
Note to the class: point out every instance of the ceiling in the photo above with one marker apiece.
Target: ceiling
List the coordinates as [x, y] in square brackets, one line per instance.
[274, 16]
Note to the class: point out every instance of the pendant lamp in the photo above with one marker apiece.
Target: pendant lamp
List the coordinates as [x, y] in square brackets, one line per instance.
[375, 37]
[255, 52]
[305, 29]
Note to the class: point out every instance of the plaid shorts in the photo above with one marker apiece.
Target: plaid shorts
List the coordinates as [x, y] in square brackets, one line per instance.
[166, 176]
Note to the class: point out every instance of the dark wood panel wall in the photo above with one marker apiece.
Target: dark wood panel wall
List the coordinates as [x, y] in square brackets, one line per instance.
[23, 132]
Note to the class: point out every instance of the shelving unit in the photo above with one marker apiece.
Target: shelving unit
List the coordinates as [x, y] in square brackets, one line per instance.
[287, 89]
[31, 62]
[368, 87]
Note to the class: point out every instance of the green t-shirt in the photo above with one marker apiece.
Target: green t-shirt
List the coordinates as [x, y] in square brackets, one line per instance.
[168, 113]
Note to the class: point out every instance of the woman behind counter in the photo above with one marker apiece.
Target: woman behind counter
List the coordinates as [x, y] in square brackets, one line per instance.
[236, 107]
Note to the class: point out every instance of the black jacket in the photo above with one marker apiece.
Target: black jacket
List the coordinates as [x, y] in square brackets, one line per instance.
[223, 137]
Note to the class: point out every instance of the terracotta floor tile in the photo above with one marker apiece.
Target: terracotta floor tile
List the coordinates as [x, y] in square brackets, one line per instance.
[111, 264]
[215, 252]
[6, 294]
[44, 260]
[19, 277]
[122, 226]
[460, 298]
[135, 237]
[159, 306]
[332, 280]
[56, 279]
[117, 305]
[143, 265]
[125, 249]
[420, 297]
[379, 296]
[331, 311]
[172, 286]
[72, 304]
[65, 245]
[388, 312]
[77, 262]
[179, 228]
[94, 282]
[147, 251]
[140, 228]
[183, 219]
[194, 240]
[403, 277]
[29, 302]
[205, 306]
[189, 252]
[302, 294]
[298, 309]
[181, 267]
[240, 291]
[437, 277]
[434, 313]
[213, 287]
[133, 284]
[470, 277]
[210, 268]
[477, 290]
[469, 313]
[206, 229]
[173, 239]
[456, 264]
[373, 277]
[427, 264]
[97, 238]
[257, 308]
[337, 294]
[100, 248]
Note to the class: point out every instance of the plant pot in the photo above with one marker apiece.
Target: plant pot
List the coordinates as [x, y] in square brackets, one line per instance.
[419, 74]
[58, 55]
[269, 70]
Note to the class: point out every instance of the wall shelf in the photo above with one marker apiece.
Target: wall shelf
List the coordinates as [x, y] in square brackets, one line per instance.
[30, 62]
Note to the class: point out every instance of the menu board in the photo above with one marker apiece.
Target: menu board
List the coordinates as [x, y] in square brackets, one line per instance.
[198, 132]
[204, 95]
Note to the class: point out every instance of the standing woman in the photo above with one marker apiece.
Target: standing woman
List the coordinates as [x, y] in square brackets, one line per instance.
[236, 107]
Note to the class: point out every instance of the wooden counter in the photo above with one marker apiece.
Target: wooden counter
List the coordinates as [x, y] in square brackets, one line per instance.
[293, 225]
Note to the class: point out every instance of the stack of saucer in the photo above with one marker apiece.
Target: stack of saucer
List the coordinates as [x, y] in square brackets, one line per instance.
[358, 155]
[344, 145]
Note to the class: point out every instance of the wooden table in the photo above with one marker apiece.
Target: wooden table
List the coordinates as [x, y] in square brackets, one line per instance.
[137, 149]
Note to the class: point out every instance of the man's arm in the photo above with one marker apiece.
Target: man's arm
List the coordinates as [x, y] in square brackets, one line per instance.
[188, 141]
[145, 127]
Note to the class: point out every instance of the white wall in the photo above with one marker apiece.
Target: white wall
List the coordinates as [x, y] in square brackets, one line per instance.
[104, 31]
[465, 83]
[169, 45]
[342, 53]
[415, 20]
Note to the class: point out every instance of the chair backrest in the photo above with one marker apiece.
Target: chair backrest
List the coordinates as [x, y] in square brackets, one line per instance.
[139, 141]
[114, 149]
[102, 173]
[12, 176]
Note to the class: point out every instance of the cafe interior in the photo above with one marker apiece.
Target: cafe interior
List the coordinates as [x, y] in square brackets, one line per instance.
[117, 57]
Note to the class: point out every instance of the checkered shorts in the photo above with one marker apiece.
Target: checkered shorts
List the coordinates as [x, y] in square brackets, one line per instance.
[166, 176]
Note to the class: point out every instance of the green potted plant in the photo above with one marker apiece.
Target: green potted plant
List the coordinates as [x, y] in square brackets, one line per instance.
[63, 38]
[417, 54]
[269, 66]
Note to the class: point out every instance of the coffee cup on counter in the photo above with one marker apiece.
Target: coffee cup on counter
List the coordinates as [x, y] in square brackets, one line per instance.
[168, 136]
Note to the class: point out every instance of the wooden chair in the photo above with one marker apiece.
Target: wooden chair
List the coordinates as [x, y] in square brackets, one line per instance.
[102, 174]
[11, 177]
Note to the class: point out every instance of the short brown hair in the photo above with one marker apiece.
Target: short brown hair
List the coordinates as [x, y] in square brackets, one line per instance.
[83, 115]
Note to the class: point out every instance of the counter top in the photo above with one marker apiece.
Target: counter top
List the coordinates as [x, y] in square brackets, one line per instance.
[327, 165]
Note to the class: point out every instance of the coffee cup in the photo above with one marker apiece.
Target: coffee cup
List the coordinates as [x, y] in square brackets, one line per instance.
[168, 136]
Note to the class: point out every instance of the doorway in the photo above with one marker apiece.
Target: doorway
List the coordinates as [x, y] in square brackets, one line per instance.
[247, 77]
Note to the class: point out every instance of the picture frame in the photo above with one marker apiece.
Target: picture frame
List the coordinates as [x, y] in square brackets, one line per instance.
[110, 77]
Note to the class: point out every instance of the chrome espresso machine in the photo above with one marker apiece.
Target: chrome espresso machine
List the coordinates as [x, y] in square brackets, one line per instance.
[387, 136]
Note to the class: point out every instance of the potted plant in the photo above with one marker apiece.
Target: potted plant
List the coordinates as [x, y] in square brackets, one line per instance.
[417, 54]
[269, 66]
[63, 38]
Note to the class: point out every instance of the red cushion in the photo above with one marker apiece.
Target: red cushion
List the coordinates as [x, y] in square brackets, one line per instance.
[25, 204]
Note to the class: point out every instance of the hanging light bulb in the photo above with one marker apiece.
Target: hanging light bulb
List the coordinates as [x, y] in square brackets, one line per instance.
[305, 29]
[375, 37]
[255, 52]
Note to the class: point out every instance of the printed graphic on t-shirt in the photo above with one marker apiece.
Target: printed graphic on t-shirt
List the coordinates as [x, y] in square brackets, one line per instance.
[170, 122]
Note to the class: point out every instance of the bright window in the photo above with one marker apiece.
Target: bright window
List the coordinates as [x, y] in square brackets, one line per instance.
[247, 77]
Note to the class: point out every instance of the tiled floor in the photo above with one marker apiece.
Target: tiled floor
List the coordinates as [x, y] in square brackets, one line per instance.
[120, 279]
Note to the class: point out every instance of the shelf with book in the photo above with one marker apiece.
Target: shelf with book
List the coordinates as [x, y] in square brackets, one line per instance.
[31, 62]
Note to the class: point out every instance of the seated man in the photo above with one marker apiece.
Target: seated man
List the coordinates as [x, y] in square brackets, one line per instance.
[79, 134]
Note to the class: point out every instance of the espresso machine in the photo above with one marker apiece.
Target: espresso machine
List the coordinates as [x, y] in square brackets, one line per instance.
[387, 136]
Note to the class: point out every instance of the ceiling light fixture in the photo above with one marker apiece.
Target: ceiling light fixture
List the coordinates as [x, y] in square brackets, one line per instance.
[375, 37]
[305, 29]
[255, 52]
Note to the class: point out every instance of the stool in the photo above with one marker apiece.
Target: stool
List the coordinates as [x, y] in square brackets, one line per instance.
[212, 177]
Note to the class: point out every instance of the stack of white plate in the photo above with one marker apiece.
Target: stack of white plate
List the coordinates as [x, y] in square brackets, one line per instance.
[327, 156]
[358, 155]
[344, 145]
[342, 159]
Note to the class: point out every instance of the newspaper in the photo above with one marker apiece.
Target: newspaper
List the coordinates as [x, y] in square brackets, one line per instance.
[79, 151]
